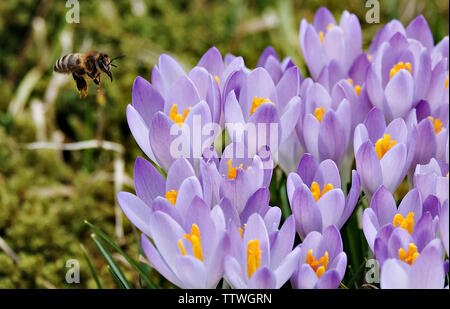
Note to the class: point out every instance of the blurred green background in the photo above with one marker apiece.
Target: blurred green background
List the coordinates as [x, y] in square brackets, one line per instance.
[45, 193]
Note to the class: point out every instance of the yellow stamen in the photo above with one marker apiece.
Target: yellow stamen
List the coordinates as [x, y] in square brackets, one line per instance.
[253, 257]
[319, 112]
[256, 102]
[177, 118]
[383, 145]
[315, 190]
[399, 66]
[194, 238]
[321, 36]
[446, 83]
[330, 25]
[369, 57]
[410, 256]
[241, 231]
[319, 266]
[232, 171]
[357, 87]
[437, 124]
[172, 196]
[217, 79]
[405, 223]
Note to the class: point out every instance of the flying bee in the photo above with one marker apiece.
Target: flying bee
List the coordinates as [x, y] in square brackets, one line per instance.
[79, 65]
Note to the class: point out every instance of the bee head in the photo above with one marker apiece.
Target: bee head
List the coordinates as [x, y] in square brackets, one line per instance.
[104, 64]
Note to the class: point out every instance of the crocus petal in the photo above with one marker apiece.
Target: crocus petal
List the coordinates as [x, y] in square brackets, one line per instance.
[189, 189]
[136, 211]
[258, 202]
[161, 139]
[307, 169]
[328, 173]
[158, 262]
[412, 202]
[313, 52]
[306, 277]
[146, 99]
[332, 143]
[383, 204]
[212, 61]
[375, 124]
[329, 280]
[272, 219]
[263, 278]
[170, 71]
[183, 93]
[269, 51]
[287, 267]
[307, 215]
[418, 29]
[148, 182]
[191, 272]
[368, 166]
[394, 275]
[283, 243]
[331, 206]
[428, 270]
[392, 165]
[370, 226]
[233, 273]
[140, 131]
[311, 129]
[178, 172]
[331, 242]
[323, 18]
[352, 198]
[289, 118]
[399, 93]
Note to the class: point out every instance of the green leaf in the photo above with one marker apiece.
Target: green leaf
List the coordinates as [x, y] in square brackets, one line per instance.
[142, 271]
[114, 268]
[119, 283]
[91, 267]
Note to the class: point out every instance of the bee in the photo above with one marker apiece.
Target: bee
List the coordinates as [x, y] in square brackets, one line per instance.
[79, 65]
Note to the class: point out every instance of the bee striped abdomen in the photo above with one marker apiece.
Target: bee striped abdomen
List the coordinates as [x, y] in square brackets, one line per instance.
[68, 63]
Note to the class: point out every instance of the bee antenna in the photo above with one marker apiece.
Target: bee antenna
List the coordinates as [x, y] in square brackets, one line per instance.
[116, 58]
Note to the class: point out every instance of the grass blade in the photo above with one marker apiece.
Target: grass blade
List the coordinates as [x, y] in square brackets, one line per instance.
[142, 271]
[113, 265]
[91, 267]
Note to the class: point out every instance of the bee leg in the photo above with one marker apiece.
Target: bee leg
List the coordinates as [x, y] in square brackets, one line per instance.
[93, 78]
[81, 84]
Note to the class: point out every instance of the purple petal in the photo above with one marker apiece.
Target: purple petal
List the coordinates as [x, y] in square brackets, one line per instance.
[322, 19]
[212, 61]
[412, 202]
[263, 278]
[268, 52]
[331, 242]
[383, 204]
[287, 267]
[258, 202]
[332, 143]
[428, 270]
[395, 275]
[370, 226]
[136, 211]
[233, 273]
[329, 280]
[418, 29]
[307, 168]
[331, 206]
[191, 272]
[399, 93]
[158, 262]
[306, 278]
[146, 100]
[148, 182]
[328, 173]
[375, 124]
[283, 243]
[443, 225]
[140, 131]
[161, 139]
[178, 172]
[307, 215]
[368, 166]
[391, 166]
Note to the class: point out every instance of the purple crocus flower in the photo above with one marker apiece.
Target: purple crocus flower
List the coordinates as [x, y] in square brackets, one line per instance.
[322, 261]
[417, 30]
[383, 153]
[330, 49]
[235, 177]
[430, 179]
[316, 198]
[172, 195]
[383, 212]
[270, 61]
[190, 255]
[392, 242]
[257, 261]
[413, 270]
[261, 114]
[430, 133]
[326, 126]
[399, 76]
[174, 98]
